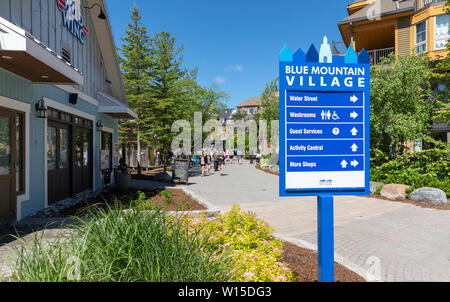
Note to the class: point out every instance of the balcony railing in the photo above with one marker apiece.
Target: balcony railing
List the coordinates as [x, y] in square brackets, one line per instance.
[420, 4]
[377, 54]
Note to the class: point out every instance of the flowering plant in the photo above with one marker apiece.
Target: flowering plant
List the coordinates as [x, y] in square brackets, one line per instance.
[255, 253]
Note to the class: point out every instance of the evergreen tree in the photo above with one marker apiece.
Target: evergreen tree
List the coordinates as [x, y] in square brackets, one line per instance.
[167, 91]
[136, 64]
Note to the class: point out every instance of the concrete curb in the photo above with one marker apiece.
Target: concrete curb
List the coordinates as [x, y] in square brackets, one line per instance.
[337, 258]
[202, 201]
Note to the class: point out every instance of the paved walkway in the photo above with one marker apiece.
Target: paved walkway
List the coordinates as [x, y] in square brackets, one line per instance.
[412, 243]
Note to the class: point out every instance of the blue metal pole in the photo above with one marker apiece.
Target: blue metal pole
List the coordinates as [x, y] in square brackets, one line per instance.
[325, 230]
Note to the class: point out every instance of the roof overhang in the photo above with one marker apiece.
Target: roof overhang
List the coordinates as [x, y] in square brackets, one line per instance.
[27, 57]
[114, 108]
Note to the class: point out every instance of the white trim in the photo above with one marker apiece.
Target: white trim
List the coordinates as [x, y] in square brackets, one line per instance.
[26, 109]
[426, 35]
[107, 129]
[117, 109]
[18, 40]
[56, 105]
[82, 95]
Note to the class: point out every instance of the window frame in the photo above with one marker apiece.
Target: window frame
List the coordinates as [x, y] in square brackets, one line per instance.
[446, 38]
[419, 44]
[22, 158]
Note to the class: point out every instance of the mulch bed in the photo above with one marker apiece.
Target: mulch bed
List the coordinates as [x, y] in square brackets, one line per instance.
[304, 264]
[178, 201]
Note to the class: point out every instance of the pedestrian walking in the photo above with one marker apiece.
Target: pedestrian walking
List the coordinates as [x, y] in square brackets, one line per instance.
[202, 163]
[221, 159]
[239, 155]
[216, 160]
[231, 156]
[208, 161]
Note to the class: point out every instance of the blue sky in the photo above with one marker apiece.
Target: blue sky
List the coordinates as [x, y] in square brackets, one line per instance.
[235, 43]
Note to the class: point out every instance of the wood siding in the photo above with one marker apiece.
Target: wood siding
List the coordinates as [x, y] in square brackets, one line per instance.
[43, 20]
[403, 36]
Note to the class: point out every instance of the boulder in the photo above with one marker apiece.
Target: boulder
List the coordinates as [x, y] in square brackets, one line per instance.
[429, 195]
[394, 191]
[374, 186]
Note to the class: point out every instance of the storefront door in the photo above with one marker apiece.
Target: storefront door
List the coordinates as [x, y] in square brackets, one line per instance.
[58, 161]
[7, 167]
[82, 148]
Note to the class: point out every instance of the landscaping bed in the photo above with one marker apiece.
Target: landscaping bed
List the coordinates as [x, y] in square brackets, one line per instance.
[445, 207]
[304, 263]
[114, 246]
[169, 200]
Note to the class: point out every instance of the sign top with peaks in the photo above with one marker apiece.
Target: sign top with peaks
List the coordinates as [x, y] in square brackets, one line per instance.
[324, 122]
[324, 56]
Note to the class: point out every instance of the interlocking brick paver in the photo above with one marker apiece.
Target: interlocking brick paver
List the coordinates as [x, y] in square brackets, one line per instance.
[412, 243]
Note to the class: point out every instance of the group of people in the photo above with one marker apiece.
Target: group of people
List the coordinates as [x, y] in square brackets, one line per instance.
[217, 159]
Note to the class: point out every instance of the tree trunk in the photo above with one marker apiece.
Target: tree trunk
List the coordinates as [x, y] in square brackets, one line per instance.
[138, 157]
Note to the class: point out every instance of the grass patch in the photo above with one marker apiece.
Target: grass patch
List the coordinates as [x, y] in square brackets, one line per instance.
[123, 246]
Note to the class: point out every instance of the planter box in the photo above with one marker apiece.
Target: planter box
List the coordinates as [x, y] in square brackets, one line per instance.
[122, 181]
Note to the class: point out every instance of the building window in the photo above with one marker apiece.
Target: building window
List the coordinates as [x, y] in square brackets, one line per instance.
[421, 37]
[441, 31]
[251, 111]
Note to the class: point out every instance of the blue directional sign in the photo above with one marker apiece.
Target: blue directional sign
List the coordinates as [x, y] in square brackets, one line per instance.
[324, 122]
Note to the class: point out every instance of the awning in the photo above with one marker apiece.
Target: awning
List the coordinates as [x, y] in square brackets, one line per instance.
[115, 108]
[25, 56]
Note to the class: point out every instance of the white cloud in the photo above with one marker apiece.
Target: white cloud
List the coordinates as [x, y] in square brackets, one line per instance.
[236, 67]
[220, 80]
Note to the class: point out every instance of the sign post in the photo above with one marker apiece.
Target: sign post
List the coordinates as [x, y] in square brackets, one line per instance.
[324, 133]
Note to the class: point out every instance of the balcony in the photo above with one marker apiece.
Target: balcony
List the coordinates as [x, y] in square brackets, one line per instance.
[377, 54]
[339, 48]
[422, 4]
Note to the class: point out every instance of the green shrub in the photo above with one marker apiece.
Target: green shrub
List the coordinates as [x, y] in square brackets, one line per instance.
[256, 254]
[123, 246]
[429, 168]
[265, 161]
